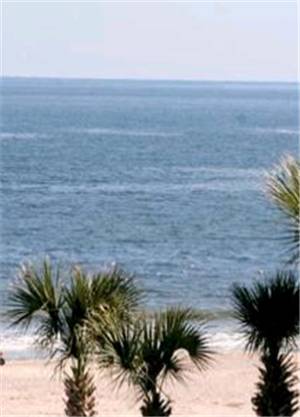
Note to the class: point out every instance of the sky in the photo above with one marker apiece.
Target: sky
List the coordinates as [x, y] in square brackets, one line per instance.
[240, 41]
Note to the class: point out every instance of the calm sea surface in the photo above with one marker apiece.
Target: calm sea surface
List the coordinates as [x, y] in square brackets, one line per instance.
[164, 178]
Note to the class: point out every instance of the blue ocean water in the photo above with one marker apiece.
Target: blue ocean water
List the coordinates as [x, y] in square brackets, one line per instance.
[164, 178]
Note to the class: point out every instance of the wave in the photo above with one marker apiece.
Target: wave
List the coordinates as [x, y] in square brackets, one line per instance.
[229, 187]
[222, 331]
[278, 131]
[16, 346]
[23, 347]
[122, 132]
[226, 341]
[233, 186]
[229, 180]
[222, 172]
[21, 135]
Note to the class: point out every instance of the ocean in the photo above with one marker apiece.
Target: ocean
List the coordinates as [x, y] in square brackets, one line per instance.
[164, 178]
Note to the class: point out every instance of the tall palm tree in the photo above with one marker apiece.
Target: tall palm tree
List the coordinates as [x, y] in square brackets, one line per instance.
[283, 187]
[145, 352]
[269, 317]
[59, 311]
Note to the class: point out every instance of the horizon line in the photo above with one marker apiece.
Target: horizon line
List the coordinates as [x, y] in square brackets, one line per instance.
[204, 80]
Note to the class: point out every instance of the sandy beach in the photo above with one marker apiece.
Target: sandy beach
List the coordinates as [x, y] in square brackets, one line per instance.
[29, 388]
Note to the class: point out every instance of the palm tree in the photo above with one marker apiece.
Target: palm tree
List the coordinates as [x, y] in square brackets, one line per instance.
[59, 312]
[283, 187]
[269, 317]
[145, 352]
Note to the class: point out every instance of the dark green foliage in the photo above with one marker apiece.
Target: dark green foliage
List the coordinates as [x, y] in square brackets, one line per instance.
[146, 351]
[269, 317]
[38, 295]
[269, 311]
[61, 312]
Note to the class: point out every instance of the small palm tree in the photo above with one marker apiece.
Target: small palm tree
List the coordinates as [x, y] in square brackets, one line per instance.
[269, 317]
[59, 312]
[146, 351]
[283, 187]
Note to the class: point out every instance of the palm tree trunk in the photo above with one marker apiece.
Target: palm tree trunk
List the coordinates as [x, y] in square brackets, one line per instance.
[276, 394]
[155, 405]
[79, 390]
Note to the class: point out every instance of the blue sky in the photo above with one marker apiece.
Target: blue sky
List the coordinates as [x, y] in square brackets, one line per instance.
[245, 40]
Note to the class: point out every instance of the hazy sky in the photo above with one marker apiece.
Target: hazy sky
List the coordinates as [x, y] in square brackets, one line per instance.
[245, 40]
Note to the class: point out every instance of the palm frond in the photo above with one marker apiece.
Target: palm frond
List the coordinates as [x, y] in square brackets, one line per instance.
[116, 290]
[37, 296]
[62, 313]
[119, 351]
[179, 332]
[269, 311]
[95, 297]
[146, 351]
[283, 188]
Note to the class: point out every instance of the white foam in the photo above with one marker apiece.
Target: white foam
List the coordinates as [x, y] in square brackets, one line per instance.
[16, 343]
[226, 340]
[122, 132]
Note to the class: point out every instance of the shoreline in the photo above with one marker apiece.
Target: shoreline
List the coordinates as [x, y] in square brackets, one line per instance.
[223, 336]
[29, 387]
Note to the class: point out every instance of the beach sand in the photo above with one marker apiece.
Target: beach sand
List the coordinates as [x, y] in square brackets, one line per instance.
[29, 388]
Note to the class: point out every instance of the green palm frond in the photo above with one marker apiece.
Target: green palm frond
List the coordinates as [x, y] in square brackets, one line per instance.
[179, 331]
[75, 312]
[38, 297]
[144, 352]
[283, 188]
[119, 352]
[117, 291]
[61, 313]
[110, 294]
[269, 311]
[60, 310]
